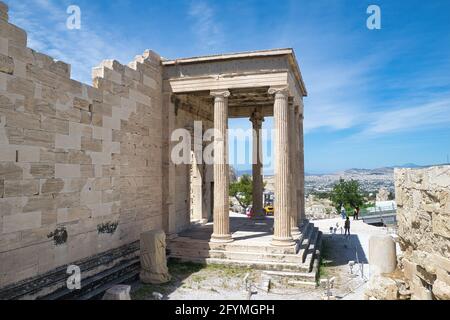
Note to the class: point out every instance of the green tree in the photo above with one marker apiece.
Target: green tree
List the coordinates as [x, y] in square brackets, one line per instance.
[242, 190]
[347, 194]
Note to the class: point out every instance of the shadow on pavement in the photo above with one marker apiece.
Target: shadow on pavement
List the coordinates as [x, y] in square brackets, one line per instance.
[339, 249]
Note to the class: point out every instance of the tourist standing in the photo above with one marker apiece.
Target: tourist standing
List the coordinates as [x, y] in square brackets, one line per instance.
[356, 214]
[347, 226]
[343, 213]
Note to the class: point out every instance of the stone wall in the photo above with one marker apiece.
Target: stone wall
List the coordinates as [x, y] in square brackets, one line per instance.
[80, 166]
[423, 200]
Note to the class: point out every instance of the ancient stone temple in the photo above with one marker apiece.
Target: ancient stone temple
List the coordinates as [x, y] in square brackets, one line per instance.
[85, 170]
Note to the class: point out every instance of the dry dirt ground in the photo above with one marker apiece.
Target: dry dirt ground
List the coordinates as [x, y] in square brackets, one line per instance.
[196, 282]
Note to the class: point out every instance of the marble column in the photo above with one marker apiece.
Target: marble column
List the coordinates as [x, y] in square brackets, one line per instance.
[282, 224]
[301, 160]
[258, 185]
[221, 227]
[294, 143]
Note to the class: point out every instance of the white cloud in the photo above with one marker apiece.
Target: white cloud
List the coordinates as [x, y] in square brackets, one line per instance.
[427, 115]
[45, 23]
[337, 98]
[205, 25]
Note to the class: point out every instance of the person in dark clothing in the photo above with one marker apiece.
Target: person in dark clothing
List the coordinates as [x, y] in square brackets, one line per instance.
[347, 226]
[356, 215]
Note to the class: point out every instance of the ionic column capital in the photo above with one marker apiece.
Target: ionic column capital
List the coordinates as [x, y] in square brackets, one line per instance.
[279, 91]
[220, 94]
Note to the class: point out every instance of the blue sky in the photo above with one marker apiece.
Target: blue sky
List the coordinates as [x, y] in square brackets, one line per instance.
[376, 97]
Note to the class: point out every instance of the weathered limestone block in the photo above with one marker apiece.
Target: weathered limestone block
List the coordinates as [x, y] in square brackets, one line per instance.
[382, 254]
[39, 203]
[65, 215]
[3, 11]
[52, 186]
[4, 46]
[381, 288]
[441, 290]
[81, 104]
[42, 171]
[424, 260]
[68, 200]
[23, 120]
[6, 64]
[21, 188]
[153, 257]
[21, 86]
[119, 292]
[21, 54]
[28, 154]
[419, 291]
[97, 119]
[102, 108]
[442, 262]
[6, 102]
[91, 145]
[10, 171]
[14, 34]
[73, 157]
[39, 138]
[67, 171]
[61, 68]
[21, 221]
[441, 224]
[87, 171]
[409, 269]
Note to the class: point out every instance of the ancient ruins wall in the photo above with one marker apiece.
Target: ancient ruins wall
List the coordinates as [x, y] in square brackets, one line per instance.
[80, 166]
[423, 200]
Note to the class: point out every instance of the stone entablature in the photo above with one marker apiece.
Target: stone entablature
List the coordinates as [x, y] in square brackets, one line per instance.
[423, 214]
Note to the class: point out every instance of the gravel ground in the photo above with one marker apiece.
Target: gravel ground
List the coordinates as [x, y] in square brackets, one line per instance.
[196, 282]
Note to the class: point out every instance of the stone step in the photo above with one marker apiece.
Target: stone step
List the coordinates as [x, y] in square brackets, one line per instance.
[181, 244]
[313, 249]
[107, 268]
[259, 265]
[254, 255]
[236, 255]
[304, 231]
[304, 246]
[99, 283]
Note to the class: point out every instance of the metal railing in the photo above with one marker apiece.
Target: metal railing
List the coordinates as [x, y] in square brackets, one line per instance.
[384, 215]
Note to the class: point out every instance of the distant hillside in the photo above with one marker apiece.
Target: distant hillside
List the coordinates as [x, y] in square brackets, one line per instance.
[382, 171]
[353, 171]
[240, 173]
